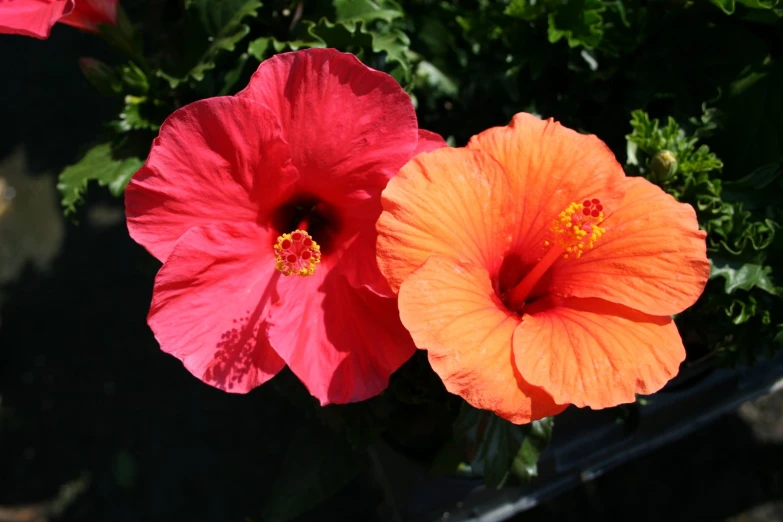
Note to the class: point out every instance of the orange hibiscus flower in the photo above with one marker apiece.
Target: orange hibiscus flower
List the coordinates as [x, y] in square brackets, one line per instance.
[536, 274]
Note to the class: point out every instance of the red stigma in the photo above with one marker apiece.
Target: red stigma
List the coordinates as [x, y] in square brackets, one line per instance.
[586, 211]
[595, 201]
[297, 253]
[586, 203]
[595, 213]
[599, 207]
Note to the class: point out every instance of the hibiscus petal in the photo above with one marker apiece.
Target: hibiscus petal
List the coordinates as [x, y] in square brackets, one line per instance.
[452, 202]
[350, 127]
[32, 18]
[210, 301]
[452, 311]
[429, 141]
[216, 160]
[550, 166]
[590, 352]
[342, 342]
[87, 14]
[652, 258]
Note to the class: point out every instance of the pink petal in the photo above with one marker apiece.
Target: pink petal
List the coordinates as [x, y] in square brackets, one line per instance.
[342, 342]
[210, 301]
[220, 160]
[32, 17]
[87, 14]
[350, 127]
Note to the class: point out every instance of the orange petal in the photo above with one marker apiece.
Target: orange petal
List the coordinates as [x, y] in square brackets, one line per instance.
[451, 311]
[590, 352]
[549, 167]
[453, 202]
[652, 257]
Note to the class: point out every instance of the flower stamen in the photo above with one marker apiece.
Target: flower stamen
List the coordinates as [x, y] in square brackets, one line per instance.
[297, 253]
[575, 230]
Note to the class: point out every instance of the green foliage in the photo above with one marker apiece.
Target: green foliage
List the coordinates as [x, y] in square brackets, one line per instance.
[728, 6]
[99, 164]
[743, 277]
[740, 218]
[369, 29]
[497, 450]
[529, 10]
[650, 138]
[578, 21]
[211, 27]
[697, 181]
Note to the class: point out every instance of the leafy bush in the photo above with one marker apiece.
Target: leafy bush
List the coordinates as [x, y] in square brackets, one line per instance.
[686, 93]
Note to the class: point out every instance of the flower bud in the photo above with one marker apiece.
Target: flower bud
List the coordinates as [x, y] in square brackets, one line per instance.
[101, 76]
[663, 165]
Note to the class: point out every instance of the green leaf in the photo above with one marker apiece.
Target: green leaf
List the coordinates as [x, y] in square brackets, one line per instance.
[499, 447]
[136, 80]
[529, 10]
[353, 31]
[353, 36]
[97, 165]
[537, 436]
[340, 35]
[134, 116]
[211, 26]
[262, 48]
[651, 138]
[727, 6]
[742, 276]
[579, 22]
[367, 10]
[316, 465]
[759, 4]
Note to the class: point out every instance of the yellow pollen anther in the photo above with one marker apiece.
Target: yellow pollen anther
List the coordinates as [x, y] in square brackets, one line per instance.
[576, 228]
[297, 253]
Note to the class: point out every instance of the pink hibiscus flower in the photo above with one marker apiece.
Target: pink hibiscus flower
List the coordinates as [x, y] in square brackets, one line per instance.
[36, 17]
[262, 207]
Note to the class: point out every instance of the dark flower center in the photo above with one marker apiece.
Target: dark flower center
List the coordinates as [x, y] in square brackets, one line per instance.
[318, 218]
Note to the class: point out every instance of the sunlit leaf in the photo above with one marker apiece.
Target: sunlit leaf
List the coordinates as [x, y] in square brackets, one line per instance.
[97, 165]
[743, 276]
